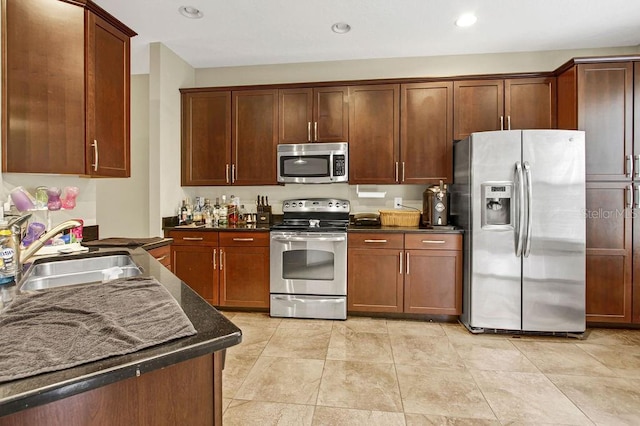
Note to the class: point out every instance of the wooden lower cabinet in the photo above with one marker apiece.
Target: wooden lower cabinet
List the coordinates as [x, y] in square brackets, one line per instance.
[244, 269]
[405, 272]
[187, 393]
[162, 255]
[225, 268]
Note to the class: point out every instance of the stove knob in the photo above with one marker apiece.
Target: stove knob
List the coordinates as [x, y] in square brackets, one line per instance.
[300, 204]
[331, 204]
[286, 205]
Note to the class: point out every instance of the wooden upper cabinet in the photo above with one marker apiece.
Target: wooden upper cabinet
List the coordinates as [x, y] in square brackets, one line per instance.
[478, 106]
[108, 78]
[254, 137]
[318, 114]
[374, 134]
[530, 103]
[206, 138]
[66, 85]
[426, 133]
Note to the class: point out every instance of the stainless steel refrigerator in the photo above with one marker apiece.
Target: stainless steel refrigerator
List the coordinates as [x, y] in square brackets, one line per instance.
[519, 195]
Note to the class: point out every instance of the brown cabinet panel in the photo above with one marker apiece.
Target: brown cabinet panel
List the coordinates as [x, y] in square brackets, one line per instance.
[568, 99]
[371, 240]
[108, 75]
[530, 103]
[162, 255]
[244, 239]
[433, 282]
[206, 138]
[43, 87]
[426, 133]
[194, 237]
[433, 241]
[374, 128]
[375, 281]
[196, 266]
[296, 115]
[605, 113]
[609, 255]
[331, 113]
[254, 137]
[478, 106]
[244, 276]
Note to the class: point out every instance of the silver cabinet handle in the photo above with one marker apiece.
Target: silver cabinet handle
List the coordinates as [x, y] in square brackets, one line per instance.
[636, 197]
[403, 171]
[226, 173]
[636, 165]
[629, 171]
[396, 171]
[315, 131]
[161, 258]
[433, 241]
[501, 122]
[192, 238]
[508, 122]
[407, 263]
[95, 154]
[308, 131]
[221, 258]
[629, 196]
[401, 268]
[243, 239]
[215, 266]
[233, 173]
[375, 241]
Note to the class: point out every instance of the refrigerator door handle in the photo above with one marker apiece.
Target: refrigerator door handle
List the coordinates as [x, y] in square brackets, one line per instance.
[636, 196]
[629, 166]
[636, 165]
[527, 241]
[629, 197]
[519, 232]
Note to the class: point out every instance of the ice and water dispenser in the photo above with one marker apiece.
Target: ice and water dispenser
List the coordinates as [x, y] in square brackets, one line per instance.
[497, 205]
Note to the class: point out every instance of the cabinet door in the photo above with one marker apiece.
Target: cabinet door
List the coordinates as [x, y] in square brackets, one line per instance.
[254, 137]
[43, 86]
[426, 133]
[374, 280]
[609, 261]
[530, 103]
[478, 106]
[244, 277]
[374, 133]
[605, 113]
[206, 138]
[433, 282]
[296, 115]
[330, 114]
[162, 255]
[196, 266]
[108, 97]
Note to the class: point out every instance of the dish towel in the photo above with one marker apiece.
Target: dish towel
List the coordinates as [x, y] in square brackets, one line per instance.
[65, 327]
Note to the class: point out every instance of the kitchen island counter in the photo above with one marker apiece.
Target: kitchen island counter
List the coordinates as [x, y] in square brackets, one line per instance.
[215, 333]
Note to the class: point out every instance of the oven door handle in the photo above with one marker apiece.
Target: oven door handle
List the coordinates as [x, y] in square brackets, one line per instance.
[297, 299]
[310, 239]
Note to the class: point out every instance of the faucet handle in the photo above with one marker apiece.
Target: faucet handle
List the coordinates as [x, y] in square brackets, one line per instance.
[16, 222]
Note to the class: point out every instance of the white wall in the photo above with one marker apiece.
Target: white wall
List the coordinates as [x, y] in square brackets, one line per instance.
[168, 73]
[122, 205]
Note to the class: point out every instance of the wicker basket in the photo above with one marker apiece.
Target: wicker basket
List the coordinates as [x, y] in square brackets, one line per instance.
[410, 218]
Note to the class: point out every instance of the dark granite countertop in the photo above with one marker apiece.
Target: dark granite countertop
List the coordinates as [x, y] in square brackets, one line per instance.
[242, 228]
[405, 229]
[214, 333]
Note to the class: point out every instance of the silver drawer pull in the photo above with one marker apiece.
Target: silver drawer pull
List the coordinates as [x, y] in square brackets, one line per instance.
[192, 238]
[161, 258]
[243, 239]
[433, 241]
[375, 241]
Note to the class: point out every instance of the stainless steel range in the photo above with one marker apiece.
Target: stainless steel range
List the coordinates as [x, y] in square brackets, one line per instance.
[309, 259]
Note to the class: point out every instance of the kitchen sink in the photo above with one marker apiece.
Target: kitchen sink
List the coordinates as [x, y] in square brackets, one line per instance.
[58, 272]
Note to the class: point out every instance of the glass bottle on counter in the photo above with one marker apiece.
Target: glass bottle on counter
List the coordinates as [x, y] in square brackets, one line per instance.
[183, 212]
[232, 211]
[216, 213]
[207, 212]
[223, 221]
[197, 212]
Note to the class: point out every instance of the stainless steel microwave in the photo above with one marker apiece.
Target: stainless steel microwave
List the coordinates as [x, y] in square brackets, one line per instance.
[313, 162]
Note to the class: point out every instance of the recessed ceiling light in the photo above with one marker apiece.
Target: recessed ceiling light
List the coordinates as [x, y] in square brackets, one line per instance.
[341, 28]
[466, 20]
[190, 12]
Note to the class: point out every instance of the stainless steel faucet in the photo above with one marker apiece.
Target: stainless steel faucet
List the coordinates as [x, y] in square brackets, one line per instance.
[23, 256]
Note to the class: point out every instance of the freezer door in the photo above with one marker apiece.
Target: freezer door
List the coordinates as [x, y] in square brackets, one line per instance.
[553, 289]
[494, 285]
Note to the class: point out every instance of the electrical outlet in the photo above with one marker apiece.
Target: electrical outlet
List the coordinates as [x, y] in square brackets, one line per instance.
[397, 202]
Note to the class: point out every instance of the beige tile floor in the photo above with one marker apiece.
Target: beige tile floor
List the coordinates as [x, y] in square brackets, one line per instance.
[367, 371]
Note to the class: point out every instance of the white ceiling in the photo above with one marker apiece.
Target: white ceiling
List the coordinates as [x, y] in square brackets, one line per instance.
[252, 32]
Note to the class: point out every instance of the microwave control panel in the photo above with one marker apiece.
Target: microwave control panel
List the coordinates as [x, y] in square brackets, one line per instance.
[339, 165]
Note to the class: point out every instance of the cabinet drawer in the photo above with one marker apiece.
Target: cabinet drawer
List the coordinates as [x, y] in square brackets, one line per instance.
[433, 241]
[182, 238]
[376, 240]
[162, 255]
[239, 239]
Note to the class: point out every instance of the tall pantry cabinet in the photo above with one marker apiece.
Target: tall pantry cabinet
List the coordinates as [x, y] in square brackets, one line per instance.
[598, 97]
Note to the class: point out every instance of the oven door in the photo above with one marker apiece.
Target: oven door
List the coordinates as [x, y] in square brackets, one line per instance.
[313, 263]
